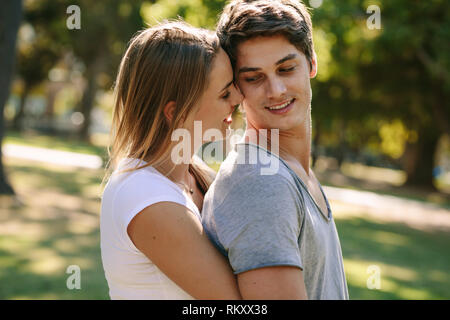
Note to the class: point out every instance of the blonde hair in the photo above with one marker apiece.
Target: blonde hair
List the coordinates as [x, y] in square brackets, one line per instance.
[169, 62]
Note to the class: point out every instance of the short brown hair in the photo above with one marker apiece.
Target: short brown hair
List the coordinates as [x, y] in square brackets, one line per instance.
[245, 19]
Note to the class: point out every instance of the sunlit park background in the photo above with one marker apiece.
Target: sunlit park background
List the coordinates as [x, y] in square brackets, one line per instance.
[381, 143]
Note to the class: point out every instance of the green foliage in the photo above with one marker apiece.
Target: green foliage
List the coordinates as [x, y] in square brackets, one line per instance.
[200, 13]
[35, 47]
[106, 28]
[398, 72]
[386, 73]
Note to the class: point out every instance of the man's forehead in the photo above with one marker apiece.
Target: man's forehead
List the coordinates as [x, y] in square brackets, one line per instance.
[263, 50]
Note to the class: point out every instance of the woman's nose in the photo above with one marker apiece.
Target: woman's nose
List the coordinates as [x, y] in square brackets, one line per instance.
[237, 96]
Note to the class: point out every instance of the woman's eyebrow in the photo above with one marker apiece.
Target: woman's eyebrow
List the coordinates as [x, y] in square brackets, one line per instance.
[229, 84]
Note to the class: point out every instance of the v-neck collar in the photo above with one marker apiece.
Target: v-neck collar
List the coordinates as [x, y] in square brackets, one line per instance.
[297, 178]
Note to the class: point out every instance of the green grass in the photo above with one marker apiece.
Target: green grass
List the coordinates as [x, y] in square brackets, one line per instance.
[414, 264]
[59, 227]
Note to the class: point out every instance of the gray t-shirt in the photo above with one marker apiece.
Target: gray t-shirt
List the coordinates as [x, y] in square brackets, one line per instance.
[260, 220]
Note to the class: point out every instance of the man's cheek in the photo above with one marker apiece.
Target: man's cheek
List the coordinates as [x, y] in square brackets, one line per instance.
[243, 88]
[253, 95]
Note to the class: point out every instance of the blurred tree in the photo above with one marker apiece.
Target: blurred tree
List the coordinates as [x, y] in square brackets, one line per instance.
[397, 72]
[10, 16]
[413, 80]
[36, 56]
[106, 27]
[199, 13]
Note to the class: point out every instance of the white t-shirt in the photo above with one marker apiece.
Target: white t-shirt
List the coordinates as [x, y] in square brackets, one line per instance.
[130, 274]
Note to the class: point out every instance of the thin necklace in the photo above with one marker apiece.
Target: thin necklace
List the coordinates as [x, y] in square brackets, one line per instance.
[187, 188]
[191, 190]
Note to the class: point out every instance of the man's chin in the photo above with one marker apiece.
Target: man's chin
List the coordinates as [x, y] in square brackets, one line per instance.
[275, 126]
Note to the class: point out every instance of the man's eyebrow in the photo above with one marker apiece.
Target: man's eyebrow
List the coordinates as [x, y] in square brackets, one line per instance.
[229, 84]
[247, 69]
[288, 57]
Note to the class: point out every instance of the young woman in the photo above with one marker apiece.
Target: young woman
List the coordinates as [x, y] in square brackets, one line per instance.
[152, 241]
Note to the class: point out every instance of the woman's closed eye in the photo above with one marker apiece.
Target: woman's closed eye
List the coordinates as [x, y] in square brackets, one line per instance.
[226, 95]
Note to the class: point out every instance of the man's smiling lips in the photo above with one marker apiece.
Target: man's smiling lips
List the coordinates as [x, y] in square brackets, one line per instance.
[281, 107]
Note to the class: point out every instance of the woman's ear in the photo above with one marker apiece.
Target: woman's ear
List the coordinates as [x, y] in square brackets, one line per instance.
[313, 71]
[169, 111]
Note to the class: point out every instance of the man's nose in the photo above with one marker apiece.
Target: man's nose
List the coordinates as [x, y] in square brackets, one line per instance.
[275, 88]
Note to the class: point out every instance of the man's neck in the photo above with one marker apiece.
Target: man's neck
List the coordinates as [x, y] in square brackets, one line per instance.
[293, 145]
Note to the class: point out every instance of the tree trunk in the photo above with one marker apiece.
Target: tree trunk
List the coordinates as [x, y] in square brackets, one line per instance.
[342, 147]
[10, 17]
[87, 102]
[18, 117]
[419, 159]
[48, 119]
[49, 116]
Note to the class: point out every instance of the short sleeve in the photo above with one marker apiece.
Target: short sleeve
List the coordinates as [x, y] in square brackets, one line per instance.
[137, 192]
[259, 223]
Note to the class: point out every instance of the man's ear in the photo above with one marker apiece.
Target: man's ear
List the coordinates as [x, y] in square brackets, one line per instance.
[169, 111]
[313, 71]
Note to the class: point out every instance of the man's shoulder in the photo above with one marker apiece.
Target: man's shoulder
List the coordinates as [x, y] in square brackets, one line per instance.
[246, 181]
[251, 160]
[233, 171]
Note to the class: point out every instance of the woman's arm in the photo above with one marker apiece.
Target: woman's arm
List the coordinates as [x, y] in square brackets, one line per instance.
[172, 237]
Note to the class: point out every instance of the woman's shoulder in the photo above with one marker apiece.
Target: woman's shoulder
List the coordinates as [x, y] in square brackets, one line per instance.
[144, 183]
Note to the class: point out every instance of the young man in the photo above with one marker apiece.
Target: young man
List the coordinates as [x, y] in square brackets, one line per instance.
[276, 229]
